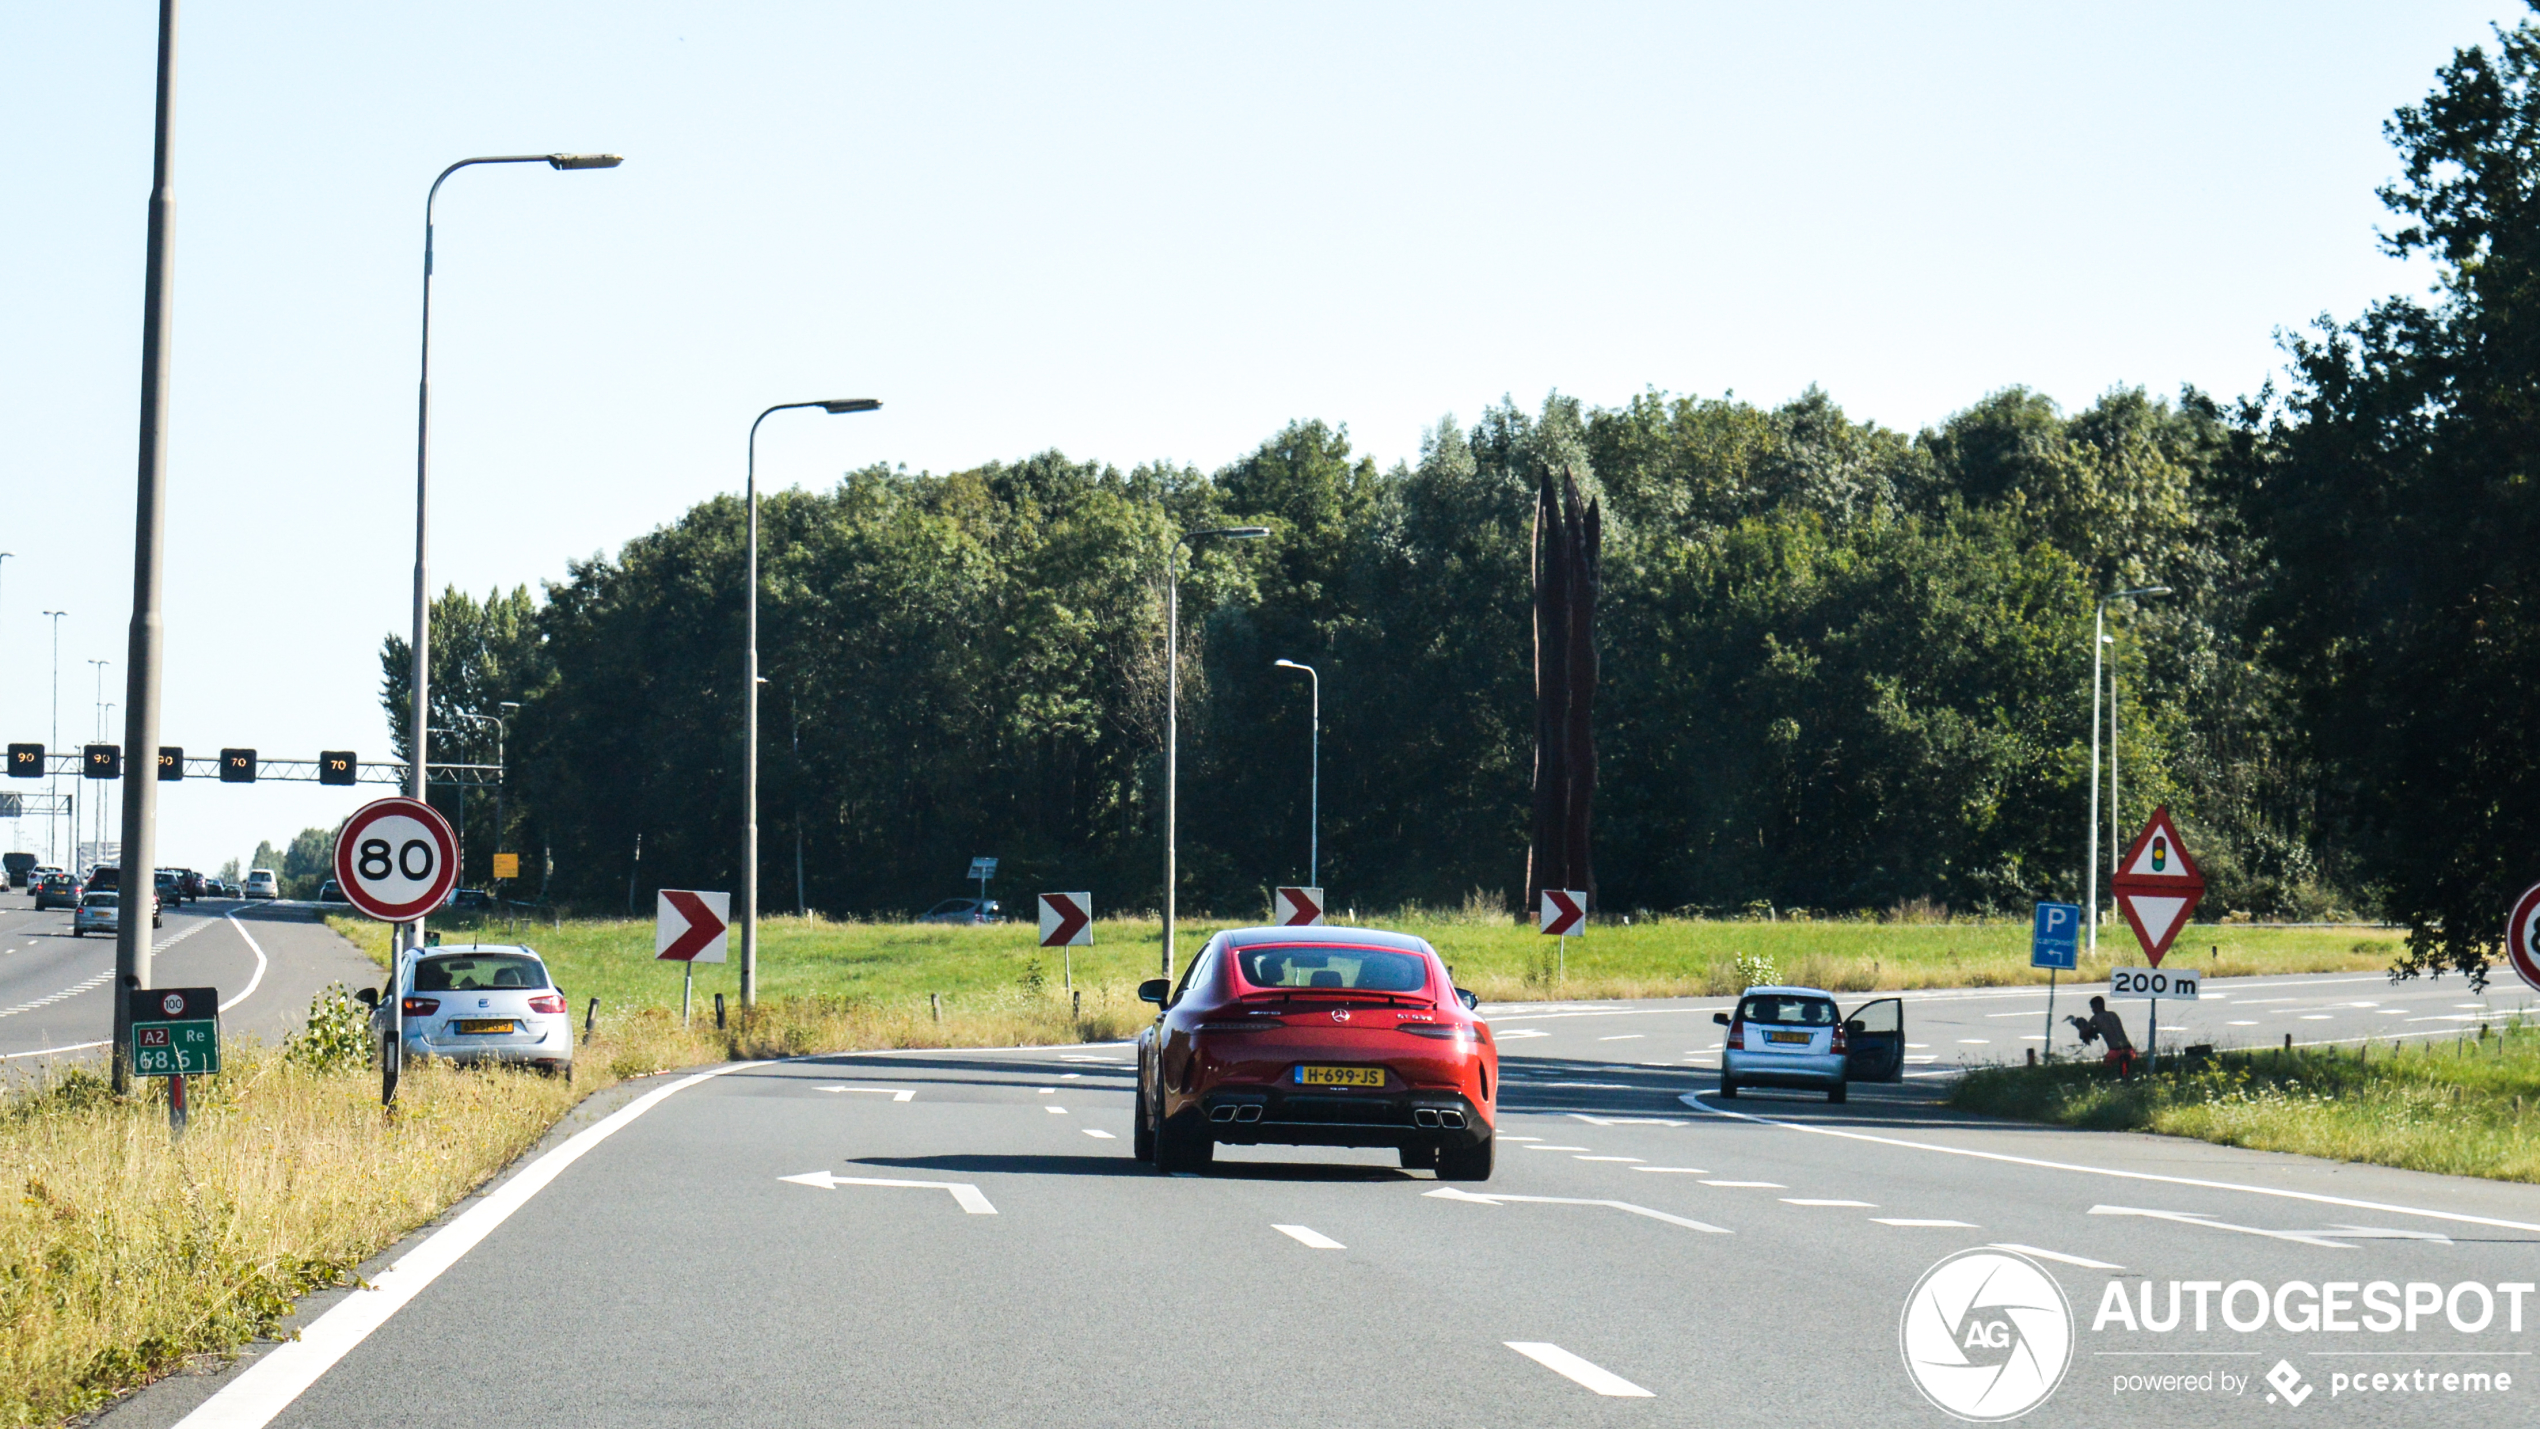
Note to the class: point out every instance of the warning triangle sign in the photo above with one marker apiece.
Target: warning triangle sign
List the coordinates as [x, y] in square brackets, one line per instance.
[2157, 885]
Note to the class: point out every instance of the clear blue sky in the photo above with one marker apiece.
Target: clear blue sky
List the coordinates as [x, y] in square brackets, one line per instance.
[1126, 232]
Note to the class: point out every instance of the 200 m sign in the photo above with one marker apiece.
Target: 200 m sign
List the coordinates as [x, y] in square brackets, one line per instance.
[2151, 982]
[396, 859]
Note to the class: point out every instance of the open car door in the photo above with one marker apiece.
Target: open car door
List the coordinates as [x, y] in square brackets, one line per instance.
[1874, 1036]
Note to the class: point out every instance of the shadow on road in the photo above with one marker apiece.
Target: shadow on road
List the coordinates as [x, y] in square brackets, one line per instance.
[993, 1164]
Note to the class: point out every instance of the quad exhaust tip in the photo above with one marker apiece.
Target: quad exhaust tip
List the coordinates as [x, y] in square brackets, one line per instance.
[1234, 1113]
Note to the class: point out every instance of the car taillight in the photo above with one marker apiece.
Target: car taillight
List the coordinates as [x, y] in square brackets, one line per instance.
[1737, 1035]
[421, 1006]
[550, 1003]
[1838, 1039]
[1443, 1031]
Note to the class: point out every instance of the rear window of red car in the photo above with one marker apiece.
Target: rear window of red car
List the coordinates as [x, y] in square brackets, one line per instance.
[1371, 969]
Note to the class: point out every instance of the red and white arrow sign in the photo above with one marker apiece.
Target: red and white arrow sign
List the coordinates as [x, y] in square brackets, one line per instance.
[691, 927]
[1564, 911]
[2522, 937]
[1298, 907]
[1067, 920]
[2157, 885]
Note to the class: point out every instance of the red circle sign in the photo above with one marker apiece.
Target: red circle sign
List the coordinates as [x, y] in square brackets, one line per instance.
[396, 859]
[2522, 937]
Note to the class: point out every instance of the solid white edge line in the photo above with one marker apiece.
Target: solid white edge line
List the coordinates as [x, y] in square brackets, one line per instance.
[252, 984]
[49, 1051]
[252, 946]
[267, 1387]
[1309, 1237]
[1578, 1371]
[1693, 1099]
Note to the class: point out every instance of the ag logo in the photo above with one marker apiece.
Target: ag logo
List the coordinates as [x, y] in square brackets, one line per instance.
[1987, 1335]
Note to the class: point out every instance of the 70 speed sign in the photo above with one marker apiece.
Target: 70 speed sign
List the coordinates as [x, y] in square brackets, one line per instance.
[396, 859]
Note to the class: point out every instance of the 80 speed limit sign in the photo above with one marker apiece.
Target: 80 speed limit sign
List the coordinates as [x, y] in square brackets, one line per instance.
[396, 859]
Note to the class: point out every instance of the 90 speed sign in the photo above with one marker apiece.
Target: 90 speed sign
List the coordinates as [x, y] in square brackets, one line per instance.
[396, 859]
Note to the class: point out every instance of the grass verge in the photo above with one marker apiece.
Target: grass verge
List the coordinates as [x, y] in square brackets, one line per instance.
[2459, 1108]
[899, 965]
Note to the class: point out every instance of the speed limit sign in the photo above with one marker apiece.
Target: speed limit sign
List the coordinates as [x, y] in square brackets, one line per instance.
[2522, 937]
[396, 859]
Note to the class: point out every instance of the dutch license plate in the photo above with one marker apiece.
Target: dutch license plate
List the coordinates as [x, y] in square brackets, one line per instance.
[1801, 1038]
[1340, 1076]
[476, 1026]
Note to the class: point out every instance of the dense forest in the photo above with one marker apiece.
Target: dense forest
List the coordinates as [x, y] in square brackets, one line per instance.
[1844, 667]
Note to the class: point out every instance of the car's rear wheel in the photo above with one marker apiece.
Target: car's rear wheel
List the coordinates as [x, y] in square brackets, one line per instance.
[1183, 1145]
[1836, 1092]
[1467, 1163]
[1728, 1086]
[1142, 1126]
[1419, 1158]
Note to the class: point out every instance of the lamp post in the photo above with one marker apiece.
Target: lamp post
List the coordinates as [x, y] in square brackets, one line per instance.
[2098, 638]
[53, 746]
[835, 407]
[1314, 784]
[419, 719]
[1173, 705]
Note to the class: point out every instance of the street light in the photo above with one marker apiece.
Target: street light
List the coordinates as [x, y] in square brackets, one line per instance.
[52, 784]
[1173, 705]
[836, 407]
[1314, 798]
[2099, 638]
[420, 719]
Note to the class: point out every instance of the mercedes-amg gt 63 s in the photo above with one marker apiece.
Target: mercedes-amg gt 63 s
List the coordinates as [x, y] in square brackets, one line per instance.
[1317, 1037]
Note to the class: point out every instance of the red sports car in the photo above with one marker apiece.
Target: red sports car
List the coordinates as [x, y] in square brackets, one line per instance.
[1317, 1037]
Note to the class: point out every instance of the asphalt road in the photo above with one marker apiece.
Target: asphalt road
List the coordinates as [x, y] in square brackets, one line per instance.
[56, 999]
[748, 1249]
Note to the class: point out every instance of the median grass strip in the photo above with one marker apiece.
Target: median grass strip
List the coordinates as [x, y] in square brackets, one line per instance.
[899, 965]
[2462, 1107]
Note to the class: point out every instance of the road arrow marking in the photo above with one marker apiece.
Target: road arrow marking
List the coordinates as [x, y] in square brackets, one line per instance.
[899, 1094]
[1450, 1193]
[2192, 1218]
[968, 1196]
[2083, 1261]
[1623, 1120]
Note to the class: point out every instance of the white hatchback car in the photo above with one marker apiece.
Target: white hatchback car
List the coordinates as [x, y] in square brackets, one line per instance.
[1784, 1037]
[262, 884]
[485, 1003]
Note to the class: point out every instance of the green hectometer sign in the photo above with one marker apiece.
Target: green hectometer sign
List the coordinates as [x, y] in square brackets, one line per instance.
[175, 1032]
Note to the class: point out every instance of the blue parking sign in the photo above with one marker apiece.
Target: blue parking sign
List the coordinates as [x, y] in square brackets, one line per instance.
[2057, 940]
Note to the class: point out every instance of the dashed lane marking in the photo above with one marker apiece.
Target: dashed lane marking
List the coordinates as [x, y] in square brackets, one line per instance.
[897, 1094]
[2085, 1262]
[1098, 1132]
[1309, 1237]
[1578, 1371]
[1911, 1222]
[1055, 1110]
[1497, 1198]
[1681, 1170]
[1556, 1148]
[1813, 1201]
[1750, 1185]
[1605, 1158]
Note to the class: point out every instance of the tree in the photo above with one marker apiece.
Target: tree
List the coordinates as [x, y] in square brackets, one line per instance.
[2395, 485]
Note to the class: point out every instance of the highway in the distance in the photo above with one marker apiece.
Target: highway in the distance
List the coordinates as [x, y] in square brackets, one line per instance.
[962, 1238]
[56, 995]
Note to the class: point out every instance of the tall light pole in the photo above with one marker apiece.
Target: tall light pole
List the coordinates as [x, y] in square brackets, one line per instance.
[419, 720]
[1314, 785]
[53, 746]
[1173, 706]
[838, 406]
[2099, 638]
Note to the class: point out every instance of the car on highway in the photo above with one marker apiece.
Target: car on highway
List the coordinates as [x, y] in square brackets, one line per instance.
[482, 1002]
[20, 866]
[1797, 1038]
[192, 884]
[332, 892]
[1318, 1036]
[171, 886]
[962, 910]
[102, 913]
[261, 884]
[56, 890]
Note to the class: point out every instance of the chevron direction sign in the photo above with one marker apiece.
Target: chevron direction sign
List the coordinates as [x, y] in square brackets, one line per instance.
[1299, 907]
[2157, 885]
[1564, 912]
[1067, 920]
[691, 927]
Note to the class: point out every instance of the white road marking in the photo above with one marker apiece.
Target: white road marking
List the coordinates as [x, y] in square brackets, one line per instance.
[2240, 1024]
[1055, 1110]
[1694, 1100]
[267, 1387]
[2191, 1218]
[1680, 1170]
[2373, 1233]
[1751, 1185]
[1450, 1193]
[2083, 1261]
[1514, 1032]
[1098, 1131]
[1911, 1222]
[1809, 1201]
[1506, 1137]
[1049, 1091]
[897, 1094]
[967, 1196]
[1974, 1041]
[1623, 1120]
[1605, 1158]
[1624, 1037]
[1063, 1076]
[1310, 1237]
[2315, 1016]
[1577, 1370]
[1556, 1148]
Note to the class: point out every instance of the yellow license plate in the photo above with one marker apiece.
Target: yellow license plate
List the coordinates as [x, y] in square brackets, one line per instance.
[1340, 1076]
[474, 1027]
[1799, 1037]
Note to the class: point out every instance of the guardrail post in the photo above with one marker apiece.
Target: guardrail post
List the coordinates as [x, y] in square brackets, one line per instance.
[718, 1012]
[936, 999]
[589, 1016]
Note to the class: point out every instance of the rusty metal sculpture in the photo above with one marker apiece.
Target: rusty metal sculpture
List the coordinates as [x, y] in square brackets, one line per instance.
[1569, 574]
